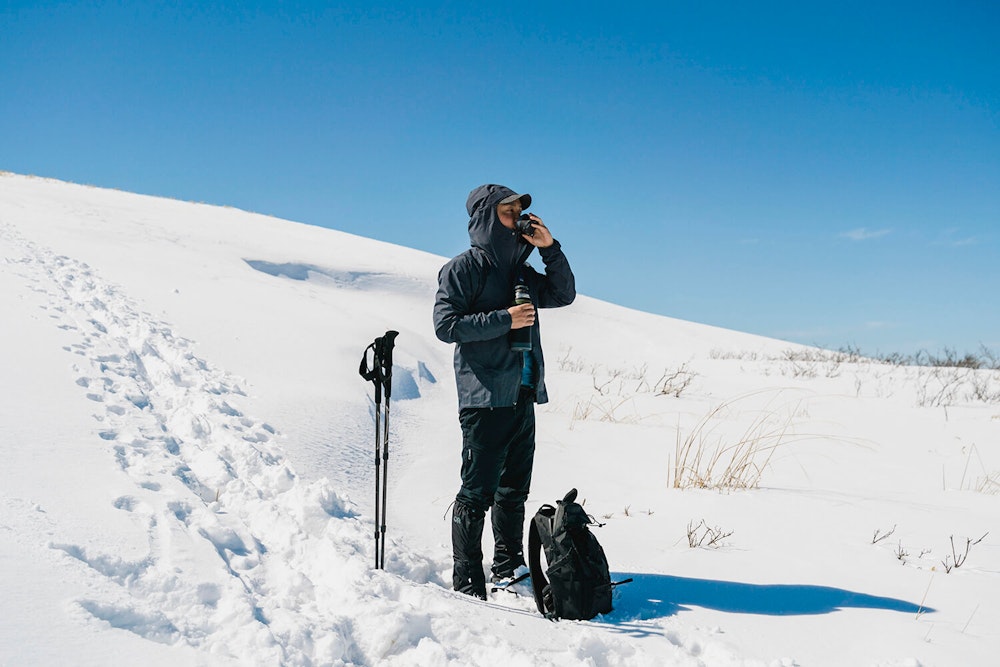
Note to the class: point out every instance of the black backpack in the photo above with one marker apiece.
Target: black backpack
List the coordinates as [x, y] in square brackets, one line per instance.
[579, 583]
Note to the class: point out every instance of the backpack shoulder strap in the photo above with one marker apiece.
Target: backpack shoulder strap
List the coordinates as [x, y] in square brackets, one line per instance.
[540, 523]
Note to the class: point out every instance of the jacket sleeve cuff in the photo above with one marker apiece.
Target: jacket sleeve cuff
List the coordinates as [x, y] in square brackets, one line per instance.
[546, 253]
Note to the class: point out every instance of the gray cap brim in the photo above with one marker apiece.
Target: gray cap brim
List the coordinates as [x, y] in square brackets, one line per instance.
[525, 200]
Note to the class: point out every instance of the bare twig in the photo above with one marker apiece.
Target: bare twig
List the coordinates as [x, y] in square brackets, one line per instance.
[970, 619]
[674, 383]
[957, 560]
[711, 537]
[879, 535]
[920, 609]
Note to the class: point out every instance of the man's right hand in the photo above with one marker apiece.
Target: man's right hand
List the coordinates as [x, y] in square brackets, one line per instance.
[522, 316]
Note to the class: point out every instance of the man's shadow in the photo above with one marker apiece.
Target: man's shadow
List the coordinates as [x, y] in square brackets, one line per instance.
[657, 595]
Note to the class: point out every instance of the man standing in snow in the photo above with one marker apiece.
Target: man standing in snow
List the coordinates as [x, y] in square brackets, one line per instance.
[497, 386]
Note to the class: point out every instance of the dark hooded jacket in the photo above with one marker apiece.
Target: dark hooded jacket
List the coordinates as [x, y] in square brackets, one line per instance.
[474, 291]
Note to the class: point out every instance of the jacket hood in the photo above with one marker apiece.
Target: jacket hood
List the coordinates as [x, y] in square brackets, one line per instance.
[504, 246]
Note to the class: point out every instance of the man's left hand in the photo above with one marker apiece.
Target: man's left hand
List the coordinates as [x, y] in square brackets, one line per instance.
[543, 237]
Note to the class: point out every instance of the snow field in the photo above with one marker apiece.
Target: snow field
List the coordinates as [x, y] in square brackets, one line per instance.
[193, 487]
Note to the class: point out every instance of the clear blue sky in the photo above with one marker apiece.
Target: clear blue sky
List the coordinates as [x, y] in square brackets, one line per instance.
[820, 172]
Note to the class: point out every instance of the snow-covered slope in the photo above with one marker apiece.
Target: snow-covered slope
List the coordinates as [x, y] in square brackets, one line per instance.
[187, 471]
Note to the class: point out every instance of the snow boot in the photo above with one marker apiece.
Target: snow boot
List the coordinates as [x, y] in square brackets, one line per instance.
[508, 538]
[467, 550]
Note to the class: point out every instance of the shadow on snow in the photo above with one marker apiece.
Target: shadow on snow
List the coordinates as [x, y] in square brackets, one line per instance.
[657, 595]
[345, 279]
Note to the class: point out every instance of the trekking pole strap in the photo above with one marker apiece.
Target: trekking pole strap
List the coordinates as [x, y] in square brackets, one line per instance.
[380, 372]
[374, 373]
[363, 370]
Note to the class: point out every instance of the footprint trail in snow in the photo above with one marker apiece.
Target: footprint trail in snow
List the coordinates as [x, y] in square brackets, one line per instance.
[286, 558]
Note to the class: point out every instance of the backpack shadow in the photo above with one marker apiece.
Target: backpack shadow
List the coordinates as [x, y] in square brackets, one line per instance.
[658, 595]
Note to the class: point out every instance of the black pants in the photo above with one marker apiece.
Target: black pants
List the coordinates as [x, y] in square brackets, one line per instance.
[498, 451]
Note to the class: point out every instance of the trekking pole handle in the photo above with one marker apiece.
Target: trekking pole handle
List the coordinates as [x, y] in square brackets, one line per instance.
[383, 352]
[380, 372]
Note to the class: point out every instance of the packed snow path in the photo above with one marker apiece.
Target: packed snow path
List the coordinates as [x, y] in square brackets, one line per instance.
[205, 476]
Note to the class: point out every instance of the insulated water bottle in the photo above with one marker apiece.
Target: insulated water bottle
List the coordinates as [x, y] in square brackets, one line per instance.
[520, 339]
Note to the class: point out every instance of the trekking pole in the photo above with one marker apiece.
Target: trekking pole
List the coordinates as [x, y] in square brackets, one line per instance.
[388, 341]
[378, 476]
[380, 374]
[372, 375]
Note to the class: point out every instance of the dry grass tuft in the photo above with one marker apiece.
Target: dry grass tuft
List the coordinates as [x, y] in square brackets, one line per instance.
[708, 458]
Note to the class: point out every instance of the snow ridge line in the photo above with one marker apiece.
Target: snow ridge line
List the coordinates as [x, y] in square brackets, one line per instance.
[209, 479]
